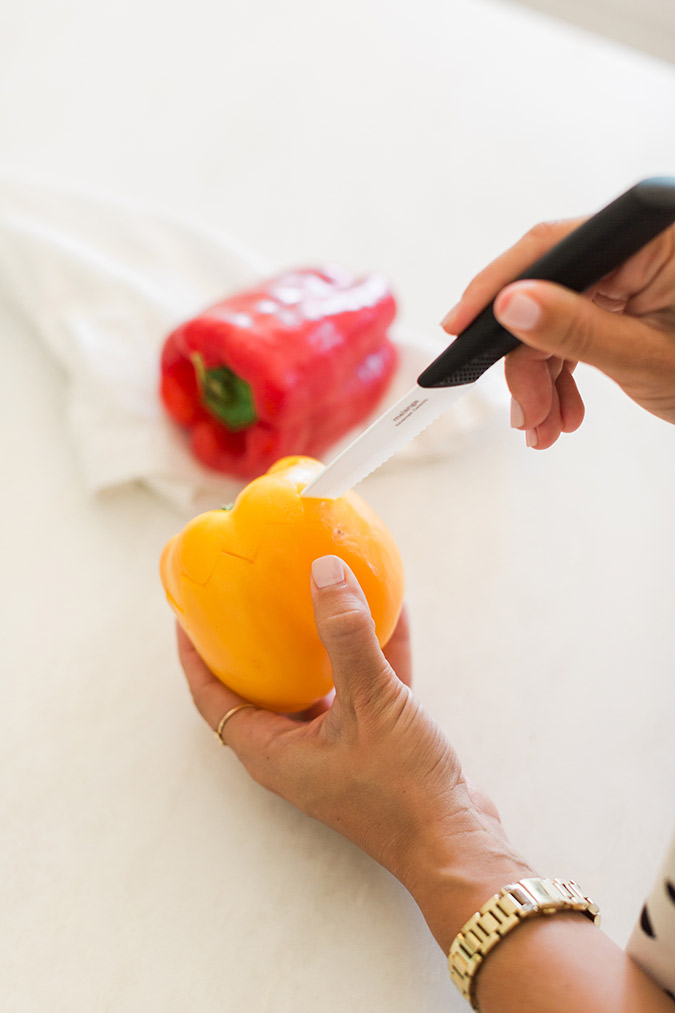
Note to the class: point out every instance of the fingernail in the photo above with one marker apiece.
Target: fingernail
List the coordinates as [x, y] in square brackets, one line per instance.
[531, 438]
[327, 570]
[449, 315]
[517, 417]
[521, 313]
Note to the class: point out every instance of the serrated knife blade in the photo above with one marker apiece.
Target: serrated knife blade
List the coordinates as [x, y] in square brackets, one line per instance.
[402, 422]
[580, 260]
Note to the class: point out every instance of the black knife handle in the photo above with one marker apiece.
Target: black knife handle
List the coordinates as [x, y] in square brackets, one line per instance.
[580, 260]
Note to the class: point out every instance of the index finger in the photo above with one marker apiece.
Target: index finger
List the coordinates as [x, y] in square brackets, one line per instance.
[505, 269]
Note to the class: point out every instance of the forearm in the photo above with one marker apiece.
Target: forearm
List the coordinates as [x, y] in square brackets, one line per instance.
[562, 963]
[559, 963]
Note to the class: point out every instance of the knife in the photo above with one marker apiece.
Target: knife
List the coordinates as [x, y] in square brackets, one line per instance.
[580, 260]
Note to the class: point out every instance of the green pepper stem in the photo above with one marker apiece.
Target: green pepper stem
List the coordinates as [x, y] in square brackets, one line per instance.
[225, 395]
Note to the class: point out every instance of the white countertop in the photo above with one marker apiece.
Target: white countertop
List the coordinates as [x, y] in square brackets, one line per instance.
[142, 870]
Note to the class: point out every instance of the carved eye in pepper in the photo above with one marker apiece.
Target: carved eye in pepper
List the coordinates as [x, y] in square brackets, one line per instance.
[238, 580]
[285, 368]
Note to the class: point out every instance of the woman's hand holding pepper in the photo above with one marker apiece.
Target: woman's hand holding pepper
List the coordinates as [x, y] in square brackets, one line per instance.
[625, 326]
[372, 765]
[376, 768]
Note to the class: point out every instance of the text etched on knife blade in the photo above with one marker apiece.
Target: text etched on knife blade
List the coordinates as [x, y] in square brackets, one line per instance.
[408, 411]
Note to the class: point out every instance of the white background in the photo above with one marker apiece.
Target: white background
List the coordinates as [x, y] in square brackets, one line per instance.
[141, 868]
[645, 24]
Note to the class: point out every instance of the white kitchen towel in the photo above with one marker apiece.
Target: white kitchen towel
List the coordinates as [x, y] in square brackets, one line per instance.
[102, 284]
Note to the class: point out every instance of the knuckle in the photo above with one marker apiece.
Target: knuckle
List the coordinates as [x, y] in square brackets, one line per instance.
[341, 626]
[545, 234]
[543, 230]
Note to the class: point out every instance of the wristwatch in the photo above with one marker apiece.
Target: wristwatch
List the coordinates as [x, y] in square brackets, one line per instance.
[501, 914]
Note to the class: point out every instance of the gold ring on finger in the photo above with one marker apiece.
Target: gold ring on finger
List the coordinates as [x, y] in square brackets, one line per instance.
[226, 717]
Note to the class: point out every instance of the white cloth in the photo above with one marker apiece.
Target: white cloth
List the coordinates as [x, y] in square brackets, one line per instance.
[102, 284]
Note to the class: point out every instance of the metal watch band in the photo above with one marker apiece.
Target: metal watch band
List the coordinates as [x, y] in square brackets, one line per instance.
[501, 914]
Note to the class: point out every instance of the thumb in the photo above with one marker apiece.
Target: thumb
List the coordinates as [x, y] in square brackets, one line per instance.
[570, 326]
[347, 631]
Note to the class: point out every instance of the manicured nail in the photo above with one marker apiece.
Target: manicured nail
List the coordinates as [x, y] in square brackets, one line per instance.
[327, 570]
[521, 313]
[517, 417]
[531, 438]
[449, 315]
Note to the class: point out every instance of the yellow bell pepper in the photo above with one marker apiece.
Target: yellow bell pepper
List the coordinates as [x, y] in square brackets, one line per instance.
[238, 580]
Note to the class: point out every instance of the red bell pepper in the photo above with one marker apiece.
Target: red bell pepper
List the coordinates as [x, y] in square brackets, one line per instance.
[285, 368]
